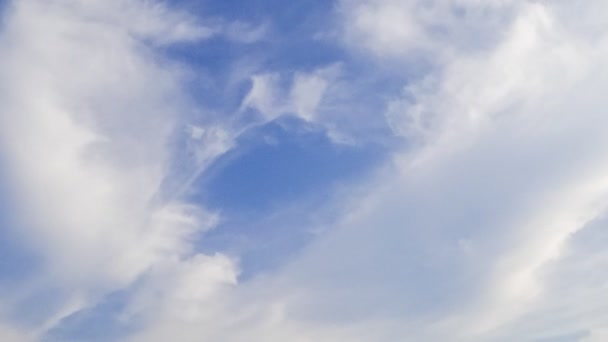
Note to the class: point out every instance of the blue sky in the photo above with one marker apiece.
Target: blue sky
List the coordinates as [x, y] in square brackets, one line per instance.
[344, 170]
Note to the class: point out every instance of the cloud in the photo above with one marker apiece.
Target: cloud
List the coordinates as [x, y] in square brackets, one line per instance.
[458, 239]
[88, 116]
[436, 30]
[264, 96]
[301, 98]
[507, 160]
[10, 334]
[269, 97]
[324, 97]
[485, 225]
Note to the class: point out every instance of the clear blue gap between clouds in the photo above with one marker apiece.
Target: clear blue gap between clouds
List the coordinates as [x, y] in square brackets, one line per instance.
[17, 263]
[285, 169]
[100, 323]
[277, 163]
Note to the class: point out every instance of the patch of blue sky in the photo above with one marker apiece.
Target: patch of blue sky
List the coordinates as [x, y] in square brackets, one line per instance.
[286, 162]
[17, 262]
[40, 303]
[212, 82]
[280, 164]
[285, 168]
[18, 266]
[103, 322]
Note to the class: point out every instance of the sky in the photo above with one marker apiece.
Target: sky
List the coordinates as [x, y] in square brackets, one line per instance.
[336, 170]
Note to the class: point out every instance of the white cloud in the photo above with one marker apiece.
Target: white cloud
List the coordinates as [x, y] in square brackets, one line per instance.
[184, 290]
[87, 116]
[467, 235]
[437, 29]
[309, 89]
[507, 154]
[597, 336]
[151, 21]
[509, 157]
[265, 96]
[11, 334]
[302, 98]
